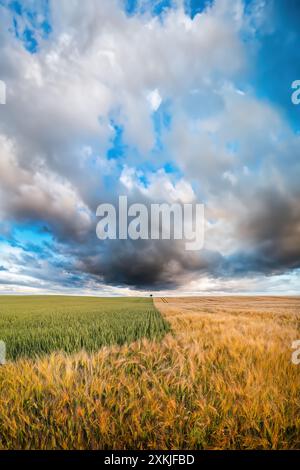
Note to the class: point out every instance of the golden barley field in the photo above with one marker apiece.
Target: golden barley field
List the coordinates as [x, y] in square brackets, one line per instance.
[222, 379]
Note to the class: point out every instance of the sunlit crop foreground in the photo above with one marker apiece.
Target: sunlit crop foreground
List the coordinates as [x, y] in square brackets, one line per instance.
[222, 380]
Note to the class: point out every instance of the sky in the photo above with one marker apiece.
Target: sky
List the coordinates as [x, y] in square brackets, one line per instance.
[162, 101]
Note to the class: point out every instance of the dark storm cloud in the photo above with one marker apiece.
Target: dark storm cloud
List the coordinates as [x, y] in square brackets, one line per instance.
[272, 231]
[153, 264]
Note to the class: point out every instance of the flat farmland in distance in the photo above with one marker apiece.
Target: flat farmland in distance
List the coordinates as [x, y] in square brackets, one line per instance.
[37, 325]
[222, 378]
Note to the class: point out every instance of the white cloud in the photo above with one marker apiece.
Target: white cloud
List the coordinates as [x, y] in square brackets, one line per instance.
[98, 60]
[154, 99]
[159, 186]
[41, 195]
[227, 175]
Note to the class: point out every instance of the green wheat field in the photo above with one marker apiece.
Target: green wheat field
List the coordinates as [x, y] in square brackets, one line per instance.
[35, 326]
